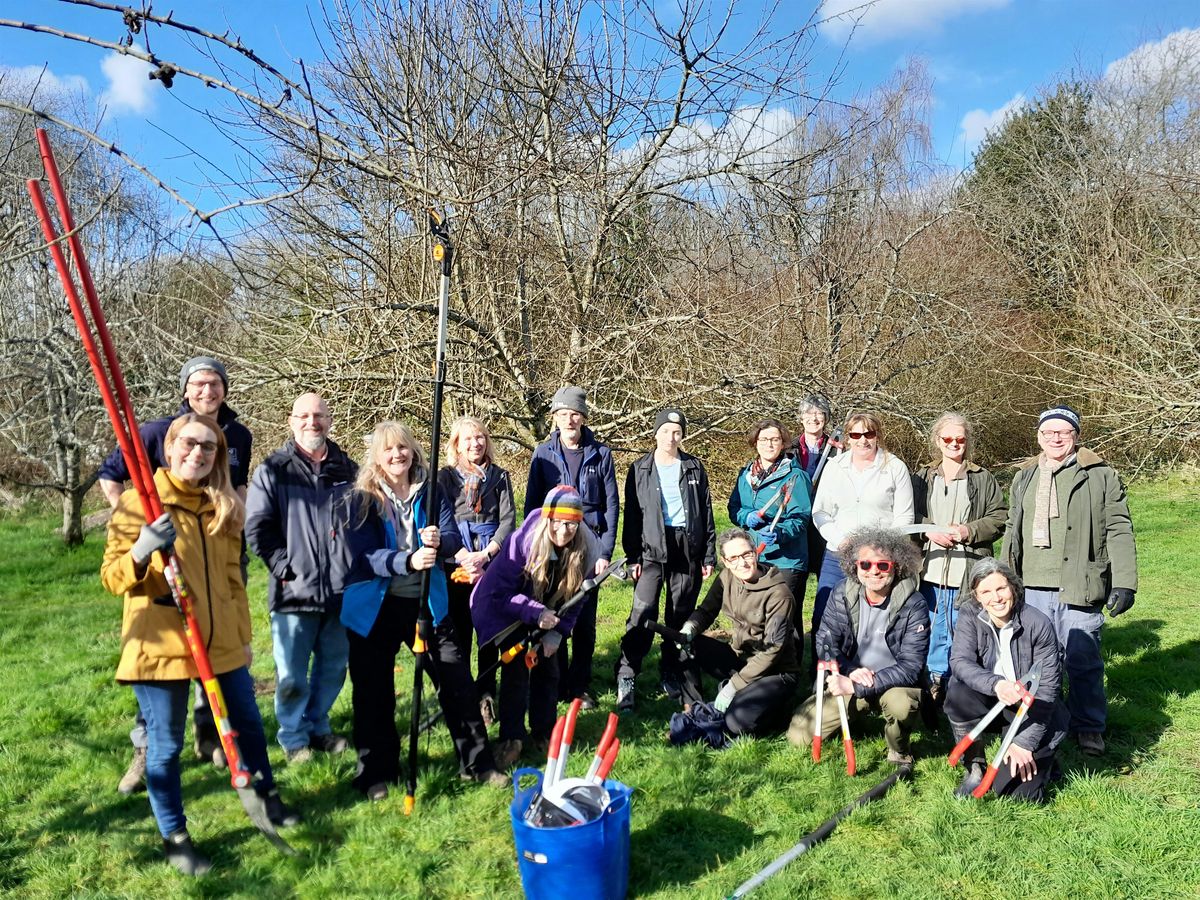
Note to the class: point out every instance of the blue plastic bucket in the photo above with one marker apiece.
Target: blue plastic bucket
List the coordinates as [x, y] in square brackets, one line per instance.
[582, 862]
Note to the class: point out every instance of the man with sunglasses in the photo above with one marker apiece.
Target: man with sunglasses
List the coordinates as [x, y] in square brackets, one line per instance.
[204, 385]
[1070, 539]
[289, 523]
[876, 627]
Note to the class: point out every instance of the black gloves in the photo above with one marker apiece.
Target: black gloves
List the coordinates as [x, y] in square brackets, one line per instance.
[1119, 601]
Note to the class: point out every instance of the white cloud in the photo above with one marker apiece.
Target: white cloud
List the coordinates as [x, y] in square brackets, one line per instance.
[976, 124]
[882, 20]
[129, 84]
[1149, 63]
[24, 79]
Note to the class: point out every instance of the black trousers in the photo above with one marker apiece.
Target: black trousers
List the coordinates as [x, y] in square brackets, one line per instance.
[464, 633]
[761, 707]
[372, 675]
[535, 691]
[682, 580]
[964, 708]
[577, 651]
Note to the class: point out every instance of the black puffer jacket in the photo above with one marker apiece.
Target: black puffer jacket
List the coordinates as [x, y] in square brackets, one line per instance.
[290, 524]
[907, 634]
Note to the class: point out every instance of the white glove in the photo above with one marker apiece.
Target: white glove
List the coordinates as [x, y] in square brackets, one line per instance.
[551, 642]
[724, 697]
[689, 630]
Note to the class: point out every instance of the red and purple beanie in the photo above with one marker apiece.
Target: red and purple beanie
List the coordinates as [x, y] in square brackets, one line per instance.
[563, 503]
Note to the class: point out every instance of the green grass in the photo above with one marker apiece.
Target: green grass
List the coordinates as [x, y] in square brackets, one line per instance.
[1122, 826]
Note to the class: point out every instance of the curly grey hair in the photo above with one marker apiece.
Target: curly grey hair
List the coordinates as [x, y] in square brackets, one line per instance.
[990, 566]
[891, 544]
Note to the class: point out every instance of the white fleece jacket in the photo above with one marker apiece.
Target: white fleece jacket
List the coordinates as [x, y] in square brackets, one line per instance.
[880, 495]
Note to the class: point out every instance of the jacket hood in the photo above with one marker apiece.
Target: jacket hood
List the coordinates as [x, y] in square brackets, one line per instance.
[1083, 456]
[173, 492]
[768, 579]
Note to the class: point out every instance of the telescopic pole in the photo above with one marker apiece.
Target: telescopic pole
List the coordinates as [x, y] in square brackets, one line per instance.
[443, 254]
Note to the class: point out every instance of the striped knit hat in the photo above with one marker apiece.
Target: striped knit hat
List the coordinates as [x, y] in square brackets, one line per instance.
[563, 503]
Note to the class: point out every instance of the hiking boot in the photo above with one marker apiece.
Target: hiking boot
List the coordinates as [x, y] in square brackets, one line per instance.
[332, 744]
[298, 755]
[280, 814]
[1090, 742]
[625, 693]
[671, 687]
[183, 856]
[587, 701]
[896, 758]
[507, 753]
[487, 710]
[377, 792]
[134, 779]
[971, 780]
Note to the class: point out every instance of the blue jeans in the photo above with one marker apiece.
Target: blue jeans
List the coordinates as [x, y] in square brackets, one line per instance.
[831, 576]
[943, 619]
[164, 706]
[303, 698]
[1078, 631]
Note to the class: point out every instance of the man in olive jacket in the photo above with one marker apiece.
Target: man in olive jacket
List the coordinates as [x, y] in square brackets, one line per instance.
[1070, 539]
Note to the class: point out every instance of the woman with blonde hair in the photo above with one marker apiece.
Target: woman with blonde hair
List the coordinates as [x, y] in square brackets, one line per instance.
[866, 486]
[965, 500]
[203, 522]
[390, 543]
[539, 568]
[481, 495]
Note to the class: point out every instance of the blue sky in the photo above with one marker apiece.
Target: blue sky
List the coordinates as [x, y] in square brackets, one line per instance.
[984, 56]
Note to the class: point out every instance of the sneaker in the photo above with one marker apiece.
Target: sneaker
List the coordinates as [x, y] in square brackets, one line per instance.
[896, 758]
[671, 687]
[507, 753]
[625, 693]
[280, 814]
[587, 701]
[1090, 742]
[183, 856]
[134, 779]
[377, 792]
[329, 743]
[298, 755]
[971, 780]
[487, 710]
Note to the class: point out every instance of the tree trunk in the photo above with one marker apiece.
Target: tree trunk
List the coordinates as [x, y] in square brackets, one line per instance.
[72, 524]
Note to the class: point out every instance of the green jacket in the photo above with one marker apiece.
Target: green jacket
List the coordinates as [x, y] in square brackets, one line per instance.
[1099, 553]
[987, 513]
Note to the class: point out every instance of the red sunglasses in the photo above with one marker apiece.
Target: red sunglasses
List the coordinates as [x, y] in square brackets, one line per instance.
[883, 565]
[953, 440]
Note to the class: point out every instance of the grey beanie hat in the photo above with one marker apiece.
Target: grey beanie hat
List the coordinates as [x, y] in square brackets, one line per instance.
[200, 364]
[670, 417]
[570, 397]
[1061, 411]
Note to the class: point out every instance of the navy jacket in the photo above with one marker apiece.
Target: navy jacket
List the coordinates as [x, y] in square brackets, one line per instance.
[597, 484]
[290, 524]
[154, 435]
[644, 536]
[907, 634]
[973, 659]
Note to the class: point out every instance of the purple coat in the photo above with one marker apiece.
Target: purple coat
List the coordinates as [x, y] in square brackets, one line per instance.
[504, 594]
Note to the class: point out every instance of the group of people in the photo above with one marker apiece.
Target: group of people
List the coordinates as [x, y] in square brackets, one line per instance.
[351, 550]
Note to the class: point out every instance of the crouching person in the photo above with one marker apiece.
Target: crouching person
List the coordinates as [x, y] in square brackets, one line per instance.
[876, 627]
[203, 521]
[539, 568]
[1000, 639]
[760, 666]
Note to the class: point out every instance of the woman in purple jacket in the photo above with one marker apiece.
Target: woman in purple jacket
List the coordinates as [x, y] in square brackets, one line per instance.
[538, 569]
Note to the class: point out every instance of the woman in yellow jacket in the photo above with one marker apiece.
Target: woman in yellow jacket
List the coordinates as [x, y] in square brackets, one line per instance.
[203, 521]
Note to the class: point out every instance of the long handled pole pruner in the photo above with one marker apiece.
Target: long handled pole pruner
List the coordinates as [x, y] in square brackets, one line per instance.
[443, 254]
[111, 383]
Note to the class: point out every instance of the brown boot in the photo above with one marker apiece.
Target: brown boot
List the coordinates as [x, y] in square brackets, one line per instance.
[134, 779]
[507, 753]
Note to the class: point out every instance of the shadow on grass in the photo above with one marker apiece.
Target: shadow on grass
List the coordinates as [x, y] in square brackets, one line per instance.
[660, 859]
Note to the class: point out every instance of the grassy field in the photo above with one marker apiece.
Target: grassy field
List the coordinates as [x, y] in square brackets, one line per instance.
[1125, 825]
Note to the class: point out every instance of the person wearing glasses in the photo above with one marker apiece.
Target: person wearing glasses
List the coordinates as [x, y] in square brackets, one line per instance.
[959, 496]
[202, 524]
[540, 567]
[1070, 539]
[759, 668]
[876, 627]
[867, 486]
[771, 499]
[808, 448]
[290, 513]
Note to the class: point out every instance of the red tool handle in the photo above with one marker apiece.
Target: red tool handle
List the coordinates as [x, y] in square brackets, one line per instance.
[850, 761]
[610, 757]
[552, 753]
[986, 785]
[819, 692]
[568, 738]
[959, 749]
[610, 733]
